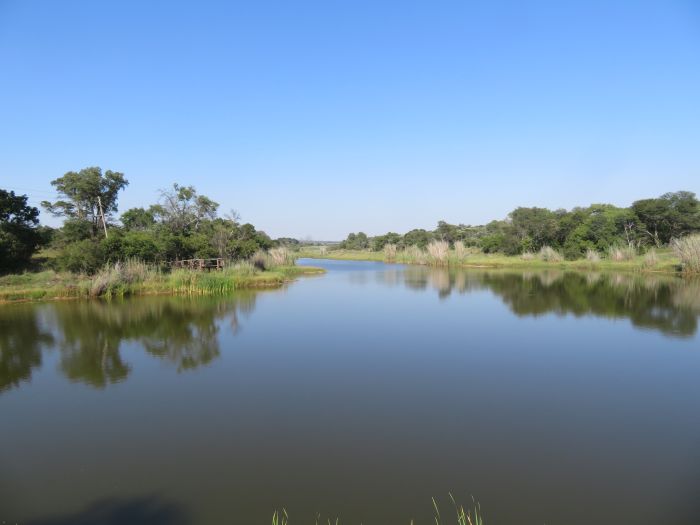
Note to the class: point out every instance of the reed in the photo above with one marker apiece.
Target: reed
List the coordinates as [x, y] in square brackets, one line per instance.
[549, 254]
[438, 252]
[527, 256]
[460, 251]
[592, 256]
[624, 253]
[390, 252]
[687, 249]
[280, 256]
[651, 259]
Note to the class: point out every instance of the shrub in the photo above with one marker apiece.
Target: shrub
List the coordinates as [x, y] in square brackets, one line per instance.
[687, 249]
[549, 254]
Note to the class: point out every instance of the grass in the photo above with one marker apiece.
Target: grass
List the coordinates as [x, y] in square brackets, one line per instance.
[462, 516]
[664, 259]
[687, 249]
[136, 278]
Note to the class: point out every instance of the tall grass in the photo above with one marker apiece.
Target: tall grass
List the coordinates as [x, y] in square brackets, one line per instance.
[413, 255]
[281, 256]
[390, 252]
[460, 251]
[438, 252]
[592, 256]
[118, 279]
[549, 254]
[651, 259]
[687, 249]
[462, 516]
[621, 253]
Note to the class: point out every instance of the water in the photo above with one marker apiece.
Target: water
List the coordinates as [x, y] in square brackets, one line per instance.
[550, 397]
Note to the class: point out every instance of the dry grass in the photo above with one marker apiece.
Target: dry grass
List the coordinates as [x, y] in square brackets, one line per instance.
[281, 256]
[460, 251]
[618, 253]
[438, 252]
[592, 256]
[687, 249]
[549, 254]
[390, 252]
[527, 256]
[651, 259]
[120, 277]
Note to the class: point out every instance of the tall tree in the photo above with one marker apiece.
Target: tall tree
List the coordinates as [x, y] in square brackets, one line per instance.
[18, 235]
[183, 209]
[86, 195]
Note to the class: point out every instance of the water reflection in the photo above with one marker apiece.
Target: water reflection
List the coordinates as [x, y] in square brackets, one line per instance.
[668, 304]
[89, 336]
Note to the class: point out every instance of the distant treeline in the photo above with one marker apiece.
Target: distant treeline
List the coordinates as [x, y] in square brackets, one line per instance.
[181, 224]
[647, 222]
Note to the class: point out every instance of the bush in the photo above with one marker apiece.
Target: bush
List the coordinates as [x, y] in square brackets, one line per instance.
[687, 249]
[81, 257]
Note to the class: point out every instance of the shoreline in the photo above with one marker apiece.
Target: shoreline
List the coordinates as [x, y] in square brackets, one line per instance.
[55, 286]
[667, 263]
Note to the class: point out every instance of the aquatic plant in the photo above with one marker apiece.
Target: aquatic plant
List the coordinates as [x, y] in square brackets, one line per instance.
[527, 256]
[460, 251]
[651, 259]
[625, 253]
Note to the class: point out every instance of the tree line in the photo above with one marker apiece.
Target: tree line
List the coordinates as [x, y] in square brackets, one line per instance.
[646, 223]
[181, 224]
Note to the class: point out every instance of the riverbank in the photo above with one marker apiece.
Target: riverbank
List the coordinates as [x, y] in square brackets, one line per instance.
[663, 260]
[137, 279]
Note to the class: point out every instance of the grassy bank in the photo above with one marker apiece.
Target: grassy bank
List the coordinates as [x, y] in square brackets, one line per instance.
[133, 278]
[662, 260]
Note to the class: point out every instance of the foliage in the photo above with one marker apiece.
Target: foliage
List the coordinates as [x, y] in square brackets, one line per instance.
[19, 237]
[82, 193]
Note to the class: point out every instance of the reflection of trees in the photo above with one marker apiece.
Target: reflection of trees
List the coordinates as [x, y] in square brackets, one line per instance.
[181, 331]
[21, 340]
[668, 304]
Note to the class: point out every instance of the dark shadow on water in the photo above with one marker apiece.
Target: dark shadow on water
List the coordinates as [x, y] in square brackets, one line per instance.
[137, 511]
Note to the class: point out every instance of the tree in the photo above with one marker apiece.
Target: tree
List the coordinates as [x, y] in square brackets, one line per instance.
[86, 195]
[19, 237]
[669, 216]
[182, 209]
[138, 219]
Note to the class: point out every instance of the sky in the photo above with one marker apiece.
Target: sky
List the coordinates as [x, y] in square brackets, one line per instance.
[316, 118]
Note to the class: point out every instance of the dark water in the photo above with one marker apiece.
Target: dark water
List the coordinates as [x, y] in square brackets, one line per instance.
[552, 398]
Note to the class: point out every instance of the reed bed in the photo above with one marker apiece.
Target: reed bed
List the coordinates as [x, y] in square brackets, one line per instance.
[592, 256]
[687, 249]
[621, 253]
[460, 250]
[438, 252]
[549, 254]
[651, 259]
[390, 252]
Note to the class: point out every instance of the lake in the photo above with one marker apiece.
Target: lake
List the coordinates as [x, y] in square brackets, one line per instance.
[548, 397]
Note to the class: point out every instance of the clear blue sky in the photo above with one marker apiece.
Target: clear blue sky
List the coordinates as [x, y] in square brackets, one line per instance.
[317, 118]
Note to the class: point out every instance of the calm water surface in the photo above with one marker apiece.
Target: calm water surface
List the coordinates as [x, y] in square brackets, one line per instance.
[554, 398]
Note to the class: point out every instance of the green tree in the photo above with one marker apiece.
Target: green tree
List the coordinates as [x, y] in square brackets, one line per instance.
[19, 237]
[182, 209]
[86, 194]
[669, 216]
